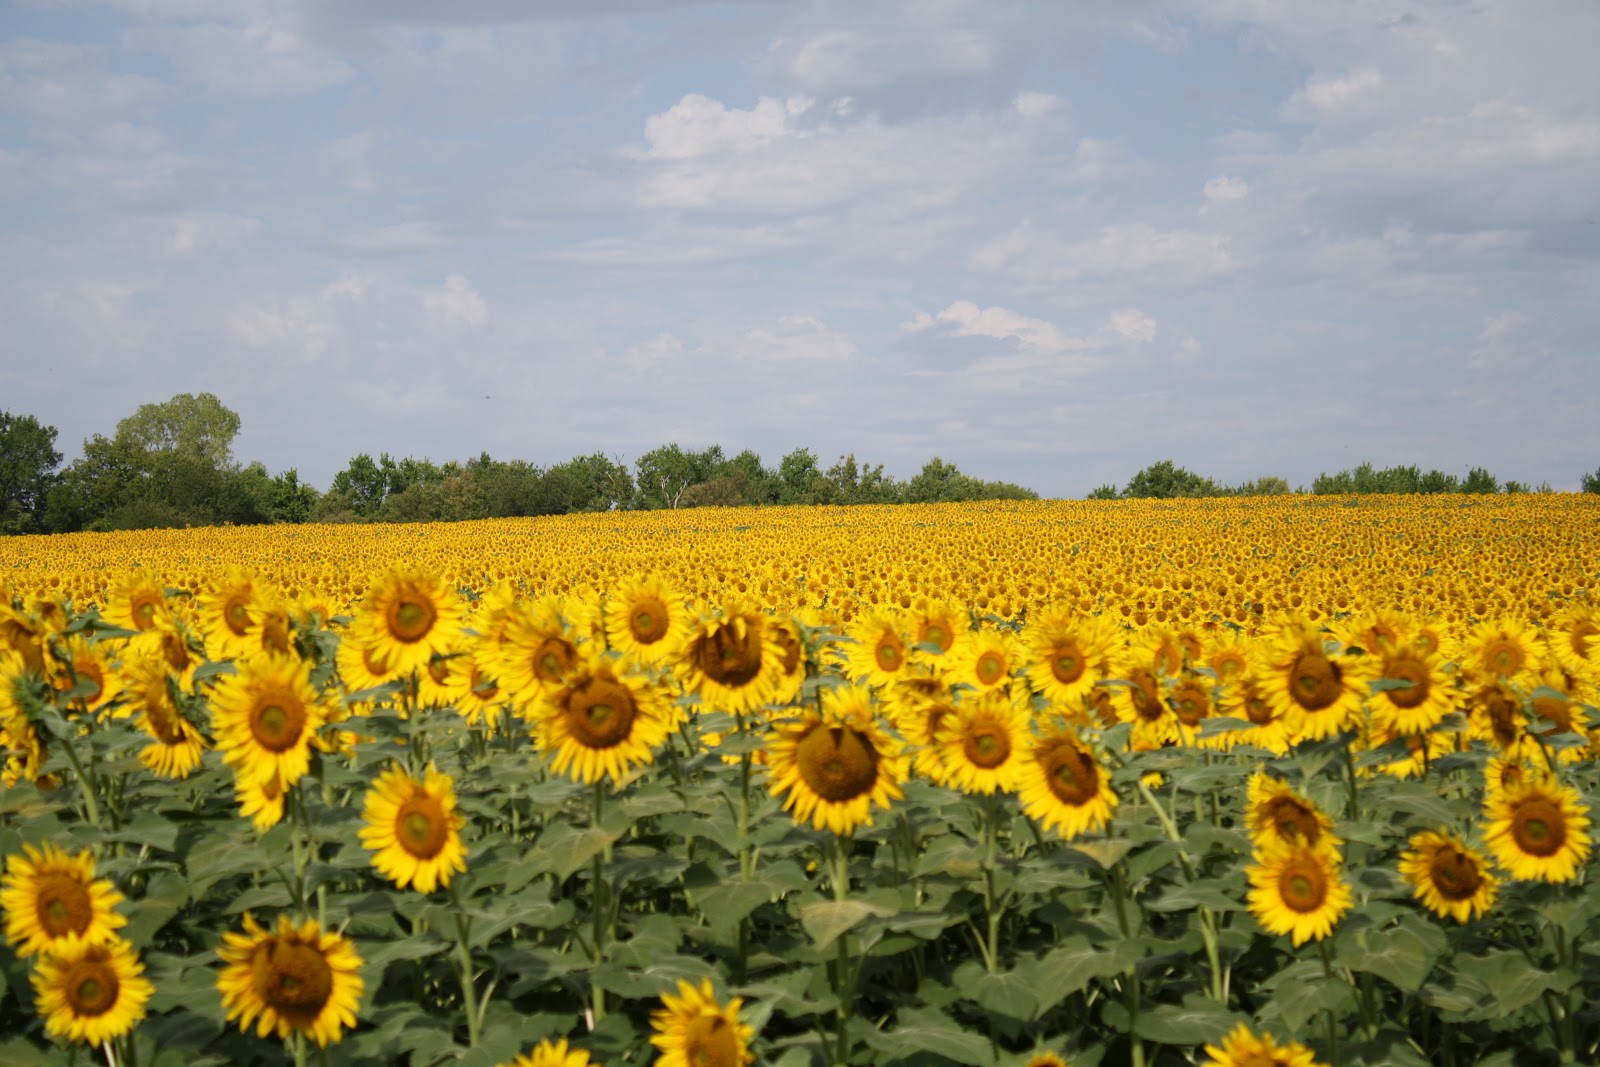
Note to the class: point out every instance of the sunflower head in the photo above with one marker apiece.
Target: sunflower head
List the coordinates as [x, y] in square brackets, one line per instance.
[646, 619]
[693, 1030]
[1242, 1048]
[1297, 890]
[1452, 880]
[604, 721]
[833, 767]
[413, 827]
[90, 993]
[1063, 785]
[549, 1053]
[296, 979]
[1538, 830]
[53, 902]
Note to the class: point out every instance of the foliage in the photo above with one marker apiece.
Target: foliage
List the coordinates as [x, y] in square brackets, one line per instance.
[1165, 480]
[28, 459]
[1591, 482]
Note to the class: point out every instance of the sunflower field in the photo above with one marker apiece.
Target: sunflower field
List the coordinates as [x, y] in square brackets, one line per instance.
[1283, 781]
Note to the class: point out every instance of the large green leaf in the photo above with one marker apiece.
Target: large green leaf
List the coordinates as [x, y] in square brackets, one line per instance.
[1072, 965]
[1197, 1021]
[926, 1030]
[825, 921]
[1401, 954]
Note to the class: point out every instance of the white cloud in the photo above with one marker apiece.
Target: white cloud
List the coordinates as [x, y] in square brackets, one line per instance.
[456, 302]
[1226, 189]
[1132, 324]
[700, 126]
[796, 337]
[1337, 97]
[395, 238]
[346, 287]
[256, 58]
[208, 231]
[908, 45]
[967, 319]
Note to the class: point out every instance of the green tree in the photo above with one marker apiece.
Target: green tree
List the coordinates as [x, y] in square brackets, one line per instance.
[663, 474]
[364, 483]
[201, 427]
[1591, 482]
[1103, 492]
[28, 459]
[1479, 480]
[1166, 479]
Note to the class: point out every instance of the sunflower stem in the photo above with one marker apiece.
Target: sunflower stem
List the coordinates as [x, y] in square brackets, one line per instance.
[109, 1047]
[991, 835]
[91, 805]
[1326, 948]
[1208, 918]
[299, 1043]
[597, 892]
[1119, 891]
[469, 989]
[840, 876]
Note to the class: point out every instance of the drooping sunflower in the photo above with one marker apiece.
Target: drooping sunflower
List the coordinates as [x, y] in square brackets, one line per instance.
[407, 618]
[731, 660]
[265, 716]
[983, 743]
[1422, 703]
[1452, 880]
[935, 625]
[1538, 830]
[442, 681]
[603, 722]
[1573, 637]
[1045, 1059]
[176, 745]
[1066, 651]
[1139, 696]
[549, 1053]
[1191, 698]
[1495, 715]
[53, 901]
[363, 667]
[916, 706]
[693, 1030]
[1316, 692]
[1297, 890]
[295, 980]
[77, 666]
[832, 767]
[90, 993]
[1245, 698]
[646, 620]
[1063, 787]
[1277, 815]
[1241, 1048]
[1501, 774]
[983, 659]
[789, 672]
[259, 801]
[880, 652]
[414, 829]
[534, 654]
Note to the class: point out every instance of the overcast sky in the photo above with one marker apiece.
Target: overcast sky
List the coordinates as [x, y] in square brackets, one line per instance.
[1052, 242]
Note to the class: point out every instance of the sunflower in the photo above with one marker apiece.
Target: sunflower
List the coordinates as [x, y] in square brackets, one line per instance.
[1190, 698]
[982, 744]
[1501, 774]
[1063, 787]
[1421, 749]
[916, 707]
[77, 666]
[1504, 648]
[983, 659]
[176, 745]
[603, 722]
[91, 993]
[693, 1030]
[789, 673]
[413, 827]
[407, 618]
[935, 625]
[1140, 699]
[1066, 651]
[880, 651]
[1419, 705]
[480, 699]
[1537, 830]
[265, 716]
[297, 980]
[230, 618]
[549, 1053]
[363, 667]
[731, 660]
[646, 620]
[1276, 815]
[442, 681]
[1452, 880]
[53, 901]
[1316, 693]
[1374, 632]
[1044, 1059]
[1297, 890]
[835, 765]
[1232, 659]
[136, 603]
[1241, 1048]
[1573, 637]
[1245, 698]
[260, 802]
[1495, 715]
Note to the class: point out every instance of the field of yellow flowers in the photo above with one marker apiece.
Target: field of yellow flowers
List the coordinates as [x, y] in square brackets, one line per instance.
[1275, 781]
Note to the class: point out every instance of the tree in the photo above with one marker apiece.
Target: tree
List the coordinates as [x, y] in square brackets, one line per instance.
[196, 426]
[28, 459]
[1103, 492]
[1480, 480]
[365, 483]
[1591, 482]
[797, 475]
[1271, 485]
[1166, 479]
[664, 473]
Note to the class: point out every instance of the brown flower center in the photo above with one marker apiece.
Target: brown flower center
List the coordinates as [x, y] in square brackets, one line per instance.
[1538, 826]
[987, 746]
[1454, 874]
[838, 763]
[1314, 681]
[789, 649]
[411, 617]
[236, 614]
[889, 653]
[552, 659]
[1303, 884]
[421, 826]
[1256, 707]
[91, 986]
[1292, 819]
[292, 978]
[1067, 662]
[1556, 709]
[1504, 656]
[1146, 696]
[1070, 773]
[600, 712]
[1406, 669]
[990, 668]
[64, 905]
[730, 654]
[711, 1041]
[937, 635]
[277, 720]
[648, 621]
[1191, 703]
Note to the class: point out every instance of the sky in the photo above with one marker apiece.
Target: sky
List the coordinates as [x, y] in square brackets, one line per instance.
[1050, 242]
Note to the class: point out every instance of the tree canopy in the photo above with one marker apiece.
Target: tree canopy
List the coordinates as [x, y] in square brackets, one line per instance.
[28, 459]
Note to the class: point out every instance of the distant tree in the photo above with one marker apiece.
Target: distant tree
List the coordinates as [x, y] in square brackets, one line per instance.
[1479, 480]
[1437, 481]
[196, 426]
[1270, 485]
[1591, 482]
[855, 483]
[735, 489]
[1514, 486]
[1166, 479]
[363, 484]
[1103, 492]
[799, 478]
[663, 474]
[28, 459]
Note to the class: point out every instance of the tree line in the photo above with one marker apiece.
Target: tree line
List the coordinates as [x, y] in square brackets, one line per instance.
[171, 464]
[1168, 480]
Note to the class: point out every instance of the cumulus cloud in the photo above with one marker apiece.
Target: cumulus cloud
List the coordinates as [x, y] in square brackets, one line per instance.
[966, 319]
[456, 303]
[796, 337]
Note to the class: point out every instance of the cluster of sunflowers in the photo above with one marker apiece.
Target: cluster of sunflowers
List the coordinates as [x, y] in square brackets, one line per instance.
[836, 715]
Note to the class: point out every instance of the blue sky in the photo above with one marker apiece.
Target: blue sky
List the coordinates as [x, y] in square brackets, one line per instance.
[1049, 242]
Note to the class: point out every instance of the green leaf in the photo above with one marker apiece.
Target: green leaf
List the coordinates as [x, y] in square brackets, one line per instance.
[1009, 993]
[1180, 897]
[1072, 965]
[925, 1030]
[1516, 982]
[1300, 992]
[567, 849]
[1401, 955]
[1197, 1021]
[826, 921]
[1105, 851]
